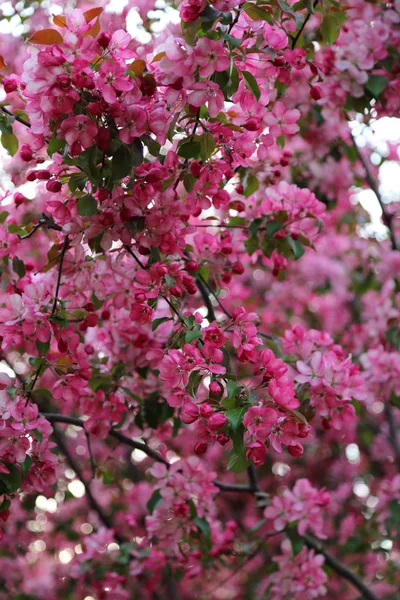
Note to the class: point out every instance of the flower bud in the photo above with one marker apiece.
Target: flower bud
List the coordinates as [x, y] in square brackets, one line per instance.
[206, 410]
[104, 39]
[26, 153]
[190, 413]
[215, 388]
[10, 84]
[200, 448]
[296, 450]
[217, 421]
[192, 266]
[316, 92]
[53, 186]
[237, 268]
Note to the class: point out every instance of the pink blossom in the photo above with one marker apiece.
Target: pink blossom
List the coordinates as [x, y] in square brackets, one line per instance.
[281, 121]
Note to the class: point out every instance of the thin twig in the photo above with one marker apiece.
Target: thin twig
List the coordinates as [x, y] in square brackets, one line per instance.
[91, 457]
[104, 518]
[393, 433]
[307, 18]
[60, 266]
[207, 301]
[340, 568]
[222, 307]
[248, 559]
[16, 117]
[387, 218]
[139, 262]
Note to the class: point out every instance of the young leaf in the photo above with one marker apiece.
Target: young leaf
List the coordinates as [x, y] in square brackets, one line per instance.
[251, 84]
[18, 267]
[46, 37]
[157, 322]
[10, 142]
[87, 206]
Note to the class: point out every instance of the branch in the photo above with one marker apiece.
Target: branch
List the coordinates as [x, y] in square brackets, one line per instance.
[104, 518]
[60, 266]
[340, 568]
[56, 418]
[307, 18]
[224, 487]
[139, 262]
[393, 433]
[16, 117]
[207, 301]
[387, 218]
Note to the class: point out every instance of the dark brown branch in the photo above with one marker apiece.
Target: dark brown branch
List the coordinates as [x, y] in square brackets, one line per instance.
[306, 19]
[60, 266]
[387, 218]
[139, 262]
[224, 487]
[207, 300]
[104, 518]
[16, 117]
[56, 418]
[340, 568]
[393, 433]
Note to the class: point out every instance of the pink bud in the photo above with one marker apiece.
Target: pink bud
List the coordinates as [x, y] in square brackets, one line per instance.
[215, 388]
[192, 266]
[10, 84]
[206, 410]
[200, 448]
[316, 92]
[222, 439]
[216, 421]
[104, 39]
[296, 450]
[26, 152]
[53, 186]
[190, 413]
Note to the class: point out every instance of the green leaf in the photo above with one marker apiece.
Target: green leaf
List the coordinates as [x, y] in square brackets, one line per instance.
[10, 143]
[237, 463]
[235, 417]
[10, 482]
[77, 180]
[258, 14]
[330, 26]
[88, 161]
[195, 379]
[125, 159]
[43, 347]
[190, 149]
[250, 184]
[393, 337]
[189, 181]
[297, 247]
[193, 335]
[157, 322]
[207, 145]
[87, 206]
[154, 501]
[376, 84]
[203, 525]
[18, 267]
[55, 145]
[395, 400]
[251, 245]
[26, 465]
[251, 84]
[273, 227]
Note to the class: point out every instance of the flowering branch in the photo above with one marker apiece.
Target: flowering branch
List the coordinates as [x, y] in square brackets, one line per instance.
[341, 568]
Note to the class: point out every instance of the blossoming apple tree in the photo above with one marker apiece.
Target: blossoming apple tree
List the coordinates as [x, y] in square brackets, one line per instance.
[200, 335]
